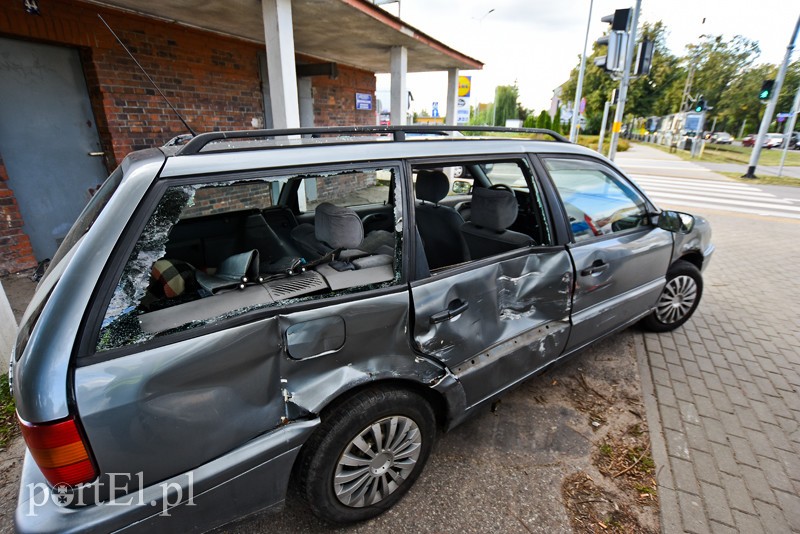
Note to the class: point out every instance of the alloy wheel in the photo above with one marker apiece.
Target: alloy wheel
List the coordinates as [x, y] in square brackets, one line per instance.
[377, 461]
[677, 299]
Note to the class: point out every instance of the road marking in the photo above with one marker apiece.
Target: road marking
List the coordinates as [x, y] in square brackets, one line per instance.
[695, 182]
[731, 193]
[717, 200]
[698, 194]
[737, 210]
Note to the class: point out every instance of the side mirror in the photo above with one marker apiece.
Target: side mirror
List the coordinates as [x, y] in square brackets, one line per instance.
[461, 187]
[675, 221]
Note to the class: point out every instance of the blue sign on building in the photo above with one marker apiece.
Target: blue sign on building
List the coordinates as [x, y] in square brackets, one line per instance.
[364, 101]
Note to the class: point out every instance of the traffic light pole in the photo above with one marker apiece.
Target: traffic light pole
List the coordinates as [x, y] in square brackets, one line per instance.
[616, 127]
[765, 122]
[603, 126]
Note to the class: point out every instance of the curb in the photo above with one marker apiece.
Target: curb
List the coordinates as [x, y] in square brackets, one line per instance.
[667, 496]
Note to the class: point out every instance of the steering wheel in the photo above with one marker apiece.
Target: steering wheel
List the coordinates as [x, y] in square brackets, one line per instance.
[502, 187]
[373, 219]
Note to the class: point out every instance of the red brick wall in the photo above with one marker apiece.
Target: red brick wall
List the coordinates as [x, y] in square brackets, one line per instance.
[335, 100]
[16, 253]
[212, 80]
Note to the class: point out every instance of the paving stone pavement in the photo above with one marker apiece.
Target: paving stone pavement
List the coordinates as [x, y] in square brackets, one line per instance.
[726, 388]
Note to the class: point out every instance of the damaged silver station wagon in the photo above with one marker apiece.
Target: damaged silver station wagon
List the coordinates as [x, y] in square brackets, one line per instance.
[316, 305]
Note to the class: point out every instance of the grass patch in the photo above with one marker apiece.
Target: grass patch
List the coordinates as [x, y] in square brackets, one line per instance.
[590, 141]
[8, 420]
[736, 154]
[763, 179]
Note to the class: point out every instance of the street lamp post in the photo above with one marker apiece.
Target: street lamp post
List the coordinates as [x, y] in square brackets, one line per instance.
[573, 130]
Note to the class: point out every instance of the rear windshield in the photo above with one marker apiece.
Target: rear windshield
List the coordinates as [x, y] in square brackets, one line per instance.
[88, 215]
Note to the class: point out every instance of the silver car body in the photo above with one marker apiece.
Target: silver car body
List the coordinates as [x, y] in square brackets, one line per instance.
[212, 413]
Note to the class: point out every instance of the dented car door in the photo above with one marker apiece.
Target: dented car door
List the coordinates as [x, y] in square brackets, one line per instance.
[495, 323]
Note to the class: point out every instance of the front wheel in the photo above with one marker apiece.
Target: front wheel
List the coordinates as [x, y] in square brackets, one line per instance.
[678, 300]
[366, 454]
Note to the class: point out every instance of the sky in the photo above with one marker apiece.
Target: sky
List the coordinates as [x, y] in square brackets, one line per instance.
[537, 42]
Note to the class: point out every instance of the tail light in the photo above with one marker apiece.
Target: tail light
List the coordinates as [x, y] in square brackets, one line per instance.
[59, 451]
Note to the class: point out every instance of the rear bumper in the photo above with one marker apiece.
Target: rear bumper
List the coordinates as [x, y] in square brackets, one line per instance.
[249, 479]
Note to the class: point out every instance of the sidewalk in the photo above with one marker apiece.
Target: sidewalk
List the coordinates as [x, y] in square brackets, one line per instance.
[724, 388]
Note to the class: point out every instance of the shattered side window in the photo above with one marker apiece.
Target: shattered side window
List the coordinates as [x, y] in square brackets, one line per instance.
[217, 250]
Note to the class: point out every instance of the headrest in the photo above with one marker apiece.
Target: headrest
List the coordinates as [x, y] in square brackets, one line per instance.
[495, 209]
[338, 227]
[171, 278]
[432, 186]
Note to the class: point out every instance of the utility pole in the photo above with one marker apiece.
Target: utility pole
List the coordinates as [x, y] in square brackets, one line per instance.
[573, 130]
[762, 130]
[687, 87]
[623, 86]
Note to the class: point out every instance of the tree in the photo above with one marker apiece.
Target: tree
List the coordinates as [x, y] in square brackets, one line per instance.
[505, 103]
[530, 121]
[719, 64]
[557, 120]
[543, 120]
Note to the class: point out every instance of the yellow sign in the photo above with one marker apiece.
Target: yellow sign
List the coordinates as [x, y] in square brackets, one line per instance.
[617, 127]
[464, 85]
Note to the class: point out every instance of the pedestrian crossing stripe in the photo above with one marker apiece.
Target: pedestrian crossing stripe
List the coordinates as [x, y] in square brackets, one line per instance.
[715, 194]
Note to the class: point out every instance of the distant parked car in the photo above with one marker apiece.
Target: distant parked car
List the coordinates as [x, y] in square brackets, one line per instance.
[721, 138]
[774, 140]
[771, 140]
[794, 141]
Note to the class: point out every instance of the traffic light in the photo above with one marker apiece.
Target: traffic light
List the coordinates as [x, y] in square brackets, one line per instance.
[766, 90]
[619, 20]
[616, 39]
[700, 104]
[614, 97]
[644, 58]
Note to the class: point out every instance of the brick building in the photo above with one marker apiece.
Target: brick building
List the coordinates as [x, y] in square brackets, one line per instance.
[69, 91]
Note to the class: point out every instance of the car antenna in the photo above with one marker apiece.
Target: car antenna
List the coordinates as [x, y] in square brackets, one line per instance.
[147, 75]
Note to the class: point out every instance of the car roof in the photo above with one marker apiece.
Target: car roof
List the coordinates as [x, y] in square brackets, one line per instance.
[240, 151]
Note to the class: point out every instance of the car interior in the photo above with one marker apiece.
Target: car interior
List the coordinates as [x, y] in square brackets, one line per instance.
[252, 243]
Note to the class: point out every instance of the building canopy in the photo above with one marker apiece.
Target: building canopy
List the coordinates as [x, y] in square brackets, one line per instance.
[350, 32]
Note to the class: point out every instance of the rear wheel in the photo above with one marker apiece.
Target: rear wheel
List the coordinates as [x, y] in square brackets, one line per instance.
[366, 454]
[678, 300]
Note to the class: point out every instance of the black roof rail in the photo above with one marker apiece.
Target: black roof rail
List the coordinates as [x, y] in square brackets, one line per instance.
[398, 133]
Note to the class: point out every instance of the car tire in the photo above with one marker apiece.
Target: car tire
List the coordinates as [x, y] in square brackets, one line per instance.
[366, 454]
[678, 300]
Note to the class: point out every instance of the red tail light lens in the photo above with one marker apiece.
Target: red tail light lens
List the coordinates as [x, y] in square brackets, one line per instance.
[59, 451]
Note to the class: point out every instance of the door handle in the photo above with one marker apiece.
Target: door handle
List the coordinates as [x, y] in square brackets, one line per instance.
[597, 267]
[454, 309]
[97, 154]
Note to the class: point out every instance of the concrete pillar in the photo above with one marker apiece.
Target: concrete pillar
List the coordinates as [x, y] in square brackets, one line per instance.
[281, 68]
[8, 329]
[452, 96]
[399, 93]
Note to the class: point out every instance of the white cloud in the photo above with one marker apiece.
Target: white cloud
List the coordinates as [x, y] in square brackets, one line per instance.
[537, 42]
